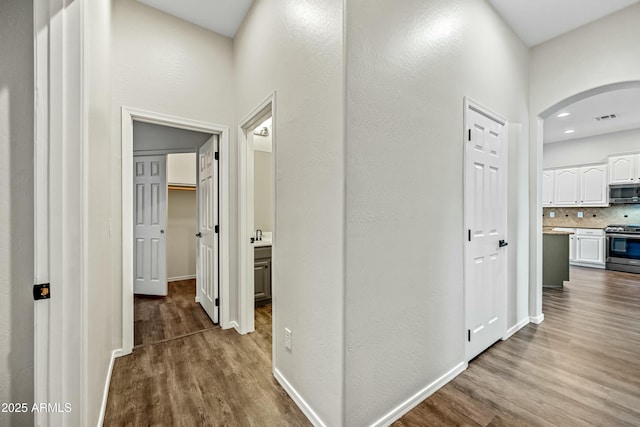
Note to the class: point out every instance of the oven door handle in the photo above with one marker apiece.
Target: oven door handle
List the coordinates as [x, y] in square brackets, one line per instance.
[624, 236]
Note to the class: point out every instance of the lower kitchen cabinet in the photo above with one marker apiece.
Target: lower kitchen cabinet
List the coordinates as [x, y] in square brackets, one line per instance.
[589, 247]
[262, 275]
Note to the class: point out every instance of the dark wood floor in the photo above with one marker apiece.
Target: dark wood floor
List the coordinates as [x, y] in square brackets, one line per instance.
[580, 367]
[208, 378]
[161, 318]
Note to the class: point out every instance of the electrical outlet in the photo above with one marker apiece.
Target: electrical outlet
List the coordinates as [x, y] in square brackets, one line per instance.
[287, 338]
[552, 214]
[580, 214]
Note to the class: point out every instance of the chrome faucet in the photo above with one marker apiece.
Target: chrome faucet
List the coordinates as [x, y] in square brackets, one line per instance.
[258, 234]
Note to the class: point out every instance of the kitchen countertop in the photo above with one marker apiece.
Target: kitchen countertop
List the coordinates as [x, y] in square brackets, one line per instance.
[550, 231]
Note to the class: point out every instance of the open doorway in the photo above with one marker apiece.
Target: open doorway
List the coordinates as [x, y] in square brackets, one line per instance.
[149, 140]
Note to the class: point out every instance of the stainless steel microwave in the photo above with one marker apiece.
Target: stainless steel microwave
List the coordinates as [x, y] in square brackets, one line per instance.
[624, 193]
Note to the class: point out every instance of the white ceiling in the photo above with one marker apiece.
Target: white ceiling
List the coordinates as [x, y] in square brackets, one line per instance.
[221, 16]
[536, 21]
[624, 103]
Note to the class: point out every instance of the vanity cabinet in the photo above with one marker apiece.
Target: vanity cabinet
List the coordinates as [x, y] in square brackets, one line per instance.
[262, 275]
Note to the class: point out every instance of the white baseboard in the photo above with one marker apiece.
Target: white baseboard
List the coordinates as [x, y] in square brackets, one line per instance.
[537, 319]
[233, 324]
[515, 328]
[178, 278]
[414, 400]
[107, 382]
[302, 404]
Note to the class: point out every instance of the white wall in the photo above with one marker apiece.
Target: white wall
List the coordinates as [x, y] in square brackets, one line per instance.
[182, 226]
[595, 149]
[102, 304]
[297, 48]
[409, 66]
[16, 207]
[166, 65]
[262, 190]
[181, 169]
[603, 52]
[148, 137]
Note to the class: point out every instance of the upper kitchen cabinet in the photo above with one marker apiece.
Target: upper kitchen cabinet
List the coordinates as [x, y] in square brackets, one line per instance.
[624, 169]
[593, 186]
[578, 186]
[548, 188]
[566, 187]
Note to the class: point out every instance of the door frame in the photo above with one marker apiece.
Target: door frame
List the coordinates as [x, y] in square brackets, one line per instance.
[129, 115]
[470, 104]
[246, 290]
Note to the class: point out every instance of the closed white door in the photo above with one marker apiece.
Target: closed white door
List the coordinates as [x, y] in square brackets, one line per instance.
[593, 185]
[207, 268]
[150, 223]
[566, 187]
[623, 169]
[485, 216]
[548, 178]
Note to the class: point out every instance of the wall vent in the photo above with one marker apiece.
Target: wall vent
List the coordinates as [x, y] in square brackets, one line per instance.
[607, 117]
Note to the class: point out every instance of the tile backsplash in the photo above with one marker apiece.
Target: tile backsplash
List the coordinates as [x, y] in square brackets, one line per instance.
[592, 217]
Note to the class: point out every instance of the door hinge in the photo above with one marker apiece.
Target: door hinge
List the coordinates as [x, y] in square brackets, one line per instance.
[217, 228]
[469, 134]
[41, 292]
[217, 156]
[217, 302]
[469, 335]
[469, 235]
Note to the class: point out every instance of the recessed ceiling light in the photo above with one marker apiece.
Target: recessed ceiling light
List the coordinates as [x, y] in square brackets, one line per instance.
[569, 131]
[563, 115]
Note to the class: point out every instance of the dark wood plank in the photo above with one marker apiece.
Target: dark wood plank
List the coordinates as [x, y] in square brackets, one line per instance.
[581, 366]
[210, 378]
[160, 318]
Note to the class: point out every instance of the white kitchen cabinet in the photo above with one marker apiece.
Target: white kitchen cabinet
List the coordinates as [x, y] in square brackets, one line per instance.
[594, 190]
[624, 169]
[590, 245]
[548, 187]
[566, 187]
[572, 247]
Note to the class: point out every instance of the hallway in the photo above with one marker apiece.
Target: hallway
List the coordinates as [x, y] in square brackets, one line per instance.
[208, 377]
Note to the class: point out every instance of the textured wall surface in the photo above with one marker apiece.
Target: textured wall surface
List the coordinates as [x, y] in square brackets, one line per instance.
[16, 207]
[182, 225]
[165, 65]
[595, 149]
[295, 48]
[409, 67]
[262, 190]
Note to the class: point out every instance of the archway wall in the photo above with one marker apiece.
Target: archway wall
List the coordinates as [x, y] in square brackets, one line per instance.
[598, 57]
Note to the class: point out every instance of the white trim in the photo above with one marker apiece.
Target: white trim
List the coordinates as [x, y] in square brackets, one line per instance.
[233, 324]
[470, 104]
[298, 399]
[537, 319]
[246, 299]
[396, 413]
[179, 278]
[128, 116]
[105, 394]
[515, 328]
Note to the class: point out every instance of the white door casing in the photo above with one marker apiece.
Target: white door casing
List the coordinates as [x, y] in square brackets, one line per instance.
[207, 264]
[485, 213]
[150, 223]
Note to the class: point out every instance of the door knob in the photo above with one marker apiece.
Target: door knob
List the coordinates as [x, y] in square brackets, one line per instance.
[161, 231]
[502, 243]
[198, 234]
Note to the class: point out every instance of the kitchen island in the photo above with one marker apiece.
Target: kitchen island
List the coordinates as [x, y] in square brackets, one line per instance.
[555, 258]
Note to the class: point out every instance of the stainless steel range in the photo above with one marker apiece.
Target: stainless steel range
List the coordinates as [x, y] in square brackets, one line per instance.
[623, 248]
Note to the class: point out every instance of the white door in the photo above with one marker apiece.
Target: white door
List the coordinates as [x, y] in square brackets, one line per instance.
[485, 217]
[548, 178]
[593, 185]
[150, 223]
[566, 187]
[207, 268]
[622, 169]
